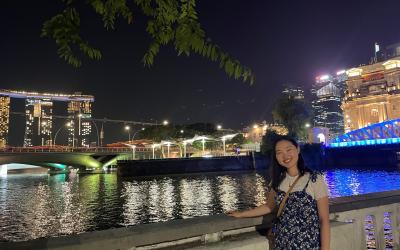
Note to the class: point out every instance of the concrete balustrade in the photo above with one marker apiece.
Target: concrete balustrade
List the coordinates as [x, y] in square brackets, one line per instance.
[355, 209]
[222, 232]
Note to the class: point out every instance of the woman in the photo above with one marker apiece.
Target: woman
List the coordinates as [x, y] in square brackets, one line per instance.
[304, 221]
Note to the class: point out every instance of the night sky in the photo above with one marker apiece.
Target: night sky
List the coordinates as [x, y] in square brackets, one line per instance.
[282, 41]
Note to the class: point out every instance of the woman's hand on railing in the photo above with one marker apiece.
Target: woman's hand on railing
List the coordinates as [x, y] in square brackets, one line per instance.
[236, 214]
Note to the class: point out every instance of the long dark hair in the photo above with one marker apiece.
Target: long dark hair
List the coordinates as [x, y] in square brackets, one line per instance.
[278, 172]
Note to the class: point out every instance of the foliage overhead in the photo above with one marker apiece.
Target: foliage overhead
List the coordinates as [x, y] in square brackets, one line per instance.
[170, 22]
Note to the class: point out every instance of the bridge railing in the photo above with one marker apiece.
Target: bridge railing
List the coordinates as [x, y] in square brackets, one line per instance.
[70, 149]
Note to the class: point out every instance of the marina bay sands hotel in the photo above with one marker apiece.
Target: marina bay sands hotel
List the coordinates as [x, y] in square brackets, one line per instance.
[39, 117]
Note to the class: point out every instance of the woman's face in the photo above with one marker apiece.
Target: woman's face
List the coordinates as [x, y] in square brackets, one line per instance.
[287, 154]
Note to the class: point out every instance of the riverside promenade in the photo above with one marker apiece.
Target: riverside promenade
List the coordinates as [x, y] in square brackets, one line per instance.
[347, 216]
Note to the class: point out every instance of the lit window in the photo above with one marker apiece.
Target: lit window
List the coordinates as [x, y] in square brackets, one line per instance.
[374, 112]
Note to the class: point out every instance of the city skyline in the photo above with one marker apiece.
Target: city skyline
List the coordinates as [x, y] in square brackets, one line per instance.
[270, 38]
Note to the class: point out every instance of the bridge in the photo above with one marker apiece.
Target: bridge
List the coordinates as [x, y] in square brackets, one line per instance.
[387, 132]
[57, 159]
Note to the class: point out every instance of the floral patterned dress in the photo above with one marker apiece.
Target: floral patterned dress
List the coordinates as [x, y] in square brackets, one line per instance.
[298, 226]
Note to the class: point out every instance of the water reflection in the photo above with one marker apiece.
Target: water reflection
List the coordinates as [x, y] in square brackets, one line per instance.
[346, 182]
[33, 206]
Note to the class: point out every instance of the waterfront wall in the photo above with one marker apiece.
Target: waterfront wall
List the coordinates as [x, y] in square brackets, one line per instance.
[347, 216]
[184, 165]
[315, 156]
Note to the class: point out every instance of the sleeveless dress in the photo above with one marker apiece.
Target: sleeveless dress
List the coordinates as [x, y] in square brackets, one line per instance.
[298, 226]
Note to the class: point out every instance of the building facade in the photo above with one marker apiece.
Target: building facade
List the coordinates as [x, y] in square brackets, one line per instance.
[295, 92]
[373, 94]
[328, 93]
[4, 119]
[39, 122]
[80, 127]
[39, 117]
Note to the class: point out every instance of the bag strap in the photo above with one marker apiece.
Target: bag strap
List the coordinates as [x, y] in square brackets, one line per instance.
[282, 205]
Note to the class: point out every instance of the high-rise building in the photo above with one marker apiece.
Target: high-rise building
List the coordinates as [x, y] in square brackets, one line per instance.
[340, 81]
[327, 97]
[39, 122]
[295, 92]
[4, 119]
[80, 127]
[373, 94]
[39, 117]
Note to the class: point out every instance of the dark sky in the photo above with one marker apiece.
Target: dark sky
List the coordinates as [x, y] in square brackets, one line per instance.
[282, 41]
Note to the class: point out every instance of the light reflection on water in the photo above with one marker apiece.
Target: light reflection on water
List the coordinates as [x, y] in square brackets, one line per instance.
[35, 205]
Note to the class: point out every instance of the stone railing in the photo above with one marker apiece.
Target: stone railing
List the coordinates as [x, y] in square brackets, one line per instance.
[222, 232]
[369, 210]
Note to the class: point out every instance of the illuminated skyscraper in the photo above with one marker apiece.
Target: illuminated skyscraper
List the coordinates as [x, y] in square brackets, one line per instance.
[4, 119]
[327, 99]
[39, 121]
[295, 92]
[80, 113]
[39, 117]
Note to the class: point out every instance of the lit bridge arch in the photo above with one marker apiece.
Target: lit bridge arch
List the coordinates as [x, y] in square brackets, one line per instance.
[60, 159]
[387, 132]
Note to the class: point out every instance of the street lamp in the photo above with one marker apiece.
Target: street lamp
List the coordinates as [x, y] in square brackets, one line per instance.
[68, 124]
[168, 146]
[133, 151]
[223, 143]
[307, 125]
[153, 147]
[79, 124]
[219, 127]
[203, 141]
[165, 122]
[128, 128]
[184, 148]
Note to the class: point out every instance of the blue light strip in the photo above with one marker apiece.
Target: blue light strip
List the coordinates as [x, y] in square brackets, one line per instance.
[364, 143]
[383, 129]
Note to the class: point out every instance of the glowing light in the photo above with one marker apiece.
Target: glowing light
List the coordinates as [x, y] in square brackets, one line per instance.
[324, 77]
[391, 64]
[165, 122]
[321, 137]
[307, 125]
[354, 72]
[182, 131]
[365, 142]
[3, 170]
[228, 137]
[127, 127]
[341, 72]
[219, 127]
[255, 126]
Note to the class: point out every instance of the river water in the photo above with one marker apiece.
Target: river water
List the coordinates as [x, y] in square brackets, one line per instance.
[38, 205]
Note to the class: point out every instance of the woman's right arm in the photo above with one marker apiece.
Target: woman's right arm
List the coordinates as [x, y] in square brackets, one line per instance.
[258, 211]
[255, 212]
